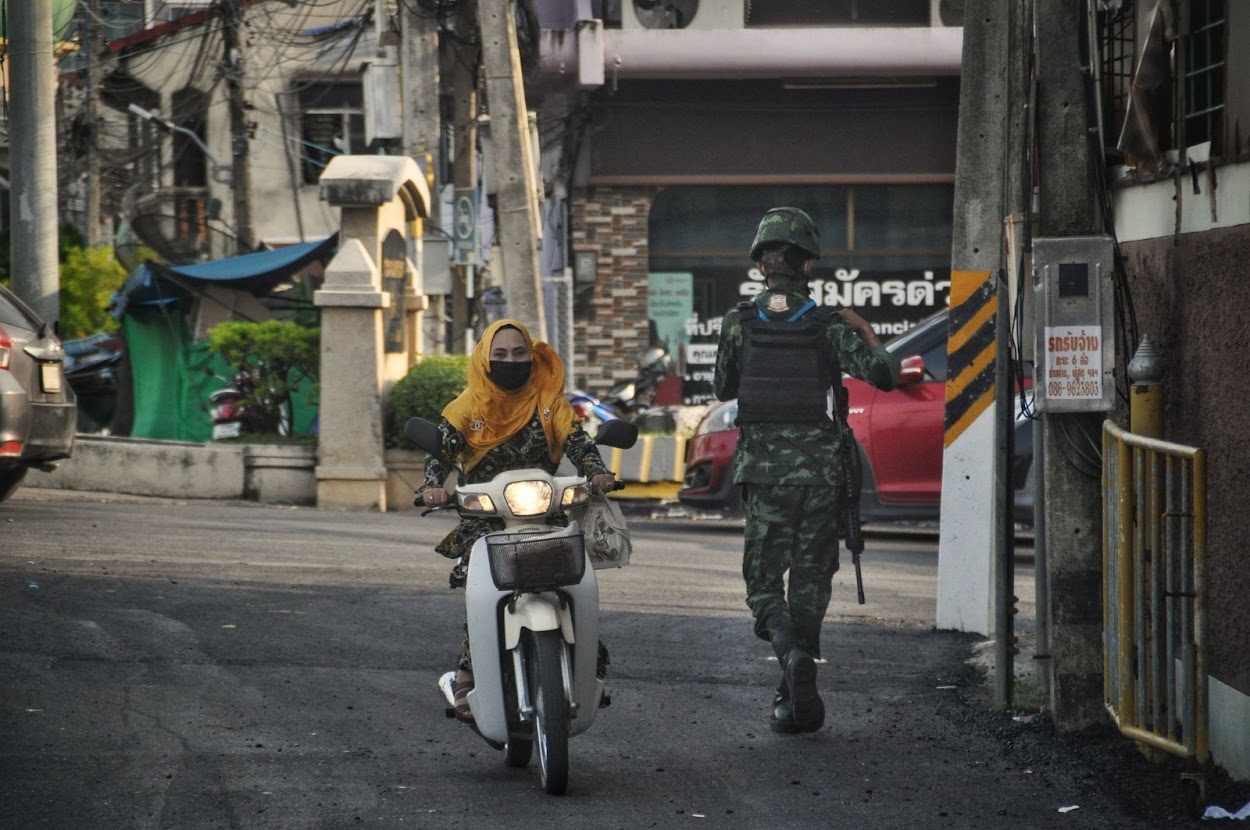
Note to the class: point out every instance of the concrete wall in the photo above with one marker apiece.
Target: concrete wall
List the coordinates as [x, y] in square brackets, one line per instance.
[1185, 255]
[148, 468]
[275, 474]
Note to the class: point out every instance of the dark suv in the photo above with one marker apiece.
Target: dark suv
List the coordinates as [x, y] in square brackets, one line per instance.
[38, 413]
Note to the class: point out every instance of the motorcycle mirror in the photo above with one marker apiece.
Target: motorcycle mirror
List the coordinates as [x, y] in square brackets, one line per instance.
[620, 434]
[425, 435]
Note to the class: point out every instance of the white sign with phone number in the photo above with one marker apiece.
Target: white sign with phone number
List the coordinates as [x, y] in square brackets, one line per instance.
[1073, 362]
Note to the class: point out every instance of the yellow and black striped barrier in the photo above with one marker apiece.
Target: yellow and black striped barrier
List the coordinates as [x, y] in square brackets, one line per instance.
[971, 350]
[652, 469]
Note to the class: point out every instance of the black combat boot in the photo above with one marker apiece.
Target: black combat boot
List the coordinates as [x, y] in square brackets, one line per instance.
[782, 719]
[807, 709]
[797, 702]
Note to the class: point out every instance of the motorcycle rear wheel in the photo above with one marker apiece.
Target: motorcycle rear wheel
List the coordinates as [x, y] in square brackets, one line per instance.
[551, 710]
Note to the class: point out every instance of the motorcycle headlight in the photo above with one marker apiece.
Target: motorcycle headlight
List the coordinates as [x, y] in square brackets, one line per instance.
[575, 495]
[476, 503]
[528, 498]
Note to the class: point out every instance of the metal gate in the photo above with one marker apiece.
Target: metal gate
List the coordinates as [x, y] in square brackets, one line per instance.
[559, 296]
[1154, 573]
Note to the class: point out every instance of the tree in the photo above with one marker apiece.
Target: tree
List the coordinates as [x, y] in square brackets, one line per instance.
[271, 359]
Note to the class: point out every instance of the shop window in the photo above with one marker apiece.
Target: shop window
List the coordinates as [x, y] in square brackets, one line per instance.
[1190, 39]
[836, 12]
[1204, 46]
[900, 226]
[333, 124]
[1117, 26]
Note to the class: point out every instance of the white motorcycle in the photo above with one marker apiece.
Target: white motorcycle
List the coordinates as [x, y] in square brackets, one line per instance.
[532, 604]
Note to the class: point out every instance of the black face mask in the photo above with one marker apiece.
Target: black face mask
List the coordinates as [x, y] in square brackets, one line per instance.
[510, 374]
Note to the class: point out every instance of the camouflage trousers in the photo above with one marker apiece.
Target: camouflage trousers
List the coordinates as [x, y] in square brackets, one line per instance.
[791, 529]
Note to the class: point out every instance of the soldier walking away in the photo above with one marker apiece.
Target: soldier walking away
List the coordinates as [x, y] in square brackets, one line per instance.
[781, 355]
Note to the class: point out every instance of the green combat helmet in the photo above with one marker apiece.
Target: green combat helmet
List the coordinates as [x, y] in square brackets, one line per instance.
[787, 224]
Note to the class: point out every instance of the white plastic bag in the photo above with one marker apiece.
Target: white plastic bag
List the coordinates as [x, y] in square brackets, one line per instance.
[607, 537]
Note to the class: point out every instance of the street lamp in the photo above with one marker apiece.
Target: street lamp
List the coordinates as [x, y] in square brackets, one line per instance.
[220, 174]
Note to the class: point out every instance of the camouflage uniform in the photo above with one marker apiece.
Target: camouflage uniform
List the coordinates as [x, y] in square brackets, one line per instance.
[528, 448]
[792, 476]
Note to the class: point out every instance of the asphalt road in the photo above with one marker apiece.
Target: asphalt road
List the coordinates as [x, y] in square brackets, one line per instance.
[173, 664]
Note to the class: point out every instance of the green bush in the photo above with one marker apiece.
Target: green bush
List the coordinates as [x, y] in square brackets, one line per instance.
[431, 384]
[275, 356]
[89, 276]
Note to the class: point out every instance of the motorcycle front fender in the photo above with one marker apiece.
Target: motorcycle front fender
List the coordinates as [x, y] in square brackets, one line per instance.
[494, 632]
[537, 612]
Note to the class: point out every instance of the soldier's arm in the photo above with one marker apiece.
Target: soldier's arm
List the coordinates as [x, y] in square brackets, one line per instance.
[728, 356]
[868, 362]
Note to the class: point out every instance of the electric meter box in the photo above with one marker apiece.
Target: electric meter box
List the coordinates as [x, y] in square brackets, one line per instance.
[1075, 358]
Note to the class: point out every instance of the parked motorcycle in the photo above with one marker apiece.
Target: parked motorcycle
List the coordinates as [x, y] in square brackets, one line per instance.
[634, 397]
[592, 412]
[92, 368]
[532, 605]
[629, 401]
[236, 409]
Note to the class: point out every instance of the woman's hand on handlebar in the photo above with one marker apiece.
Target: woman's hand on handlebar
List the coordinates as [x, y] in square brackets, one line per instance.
[433, 497]
[603, 483]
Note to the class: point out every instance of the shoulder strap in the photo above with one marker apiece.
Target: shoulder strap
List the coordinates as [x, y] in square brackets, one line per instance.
[747, 306]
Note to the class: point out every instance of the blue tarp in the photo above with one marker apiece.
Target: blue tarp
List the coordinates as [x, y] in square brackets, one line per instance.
[153, 285]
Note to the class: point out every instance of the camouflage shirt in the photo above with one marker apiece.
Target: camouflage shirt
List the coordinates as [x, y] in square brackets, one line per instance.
[796, 454]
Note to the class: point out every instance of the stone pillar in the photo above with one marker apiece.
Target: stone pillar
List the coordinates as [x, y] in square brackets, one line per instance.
[365, 347]
[610, 328]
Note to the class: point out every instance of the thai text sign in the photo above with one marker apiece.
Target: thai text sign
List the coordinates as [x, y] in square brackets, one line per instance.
[1073, 367]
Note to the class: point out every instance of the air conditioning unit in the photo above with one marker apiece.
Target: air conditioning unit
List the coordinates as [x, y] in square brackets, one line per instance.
[946, 13]
[680, 14]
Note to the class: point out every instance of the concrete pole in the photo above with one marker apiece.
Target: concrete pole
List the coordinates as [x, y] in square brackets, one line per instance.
[517, 210]
[32, 159]
[419, 67]
[966, 547]
[463, 175]
[241, 170]
[91, 30]
[1069, 207]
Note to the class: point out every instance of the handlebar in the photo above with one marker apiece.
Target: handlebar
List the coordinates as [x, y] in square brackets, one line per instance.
[418, 500]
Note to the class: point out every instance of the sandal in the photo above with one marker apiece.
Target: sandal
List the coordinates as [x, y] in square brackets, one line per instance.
[460, 695]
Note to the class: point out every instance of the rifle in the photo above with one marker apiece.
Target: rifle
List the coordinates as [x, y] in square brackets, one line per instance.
[852, 476]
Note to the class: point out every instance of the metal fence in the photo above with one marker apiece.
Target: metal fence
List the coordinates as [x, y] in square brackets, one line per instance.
[1154, 573]
[558, 294]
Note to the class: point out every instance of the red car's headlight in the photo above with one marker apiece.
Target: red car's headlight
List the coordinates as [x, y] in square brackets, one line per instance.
[719, 418]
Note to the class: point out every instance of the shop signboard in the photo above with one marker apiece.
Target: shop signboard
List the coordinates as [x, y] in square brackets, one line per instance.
[892, 301]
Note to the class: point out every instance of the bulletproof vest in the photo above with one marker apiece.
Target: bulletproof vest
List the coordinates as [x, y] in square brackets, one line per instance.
[785, 374]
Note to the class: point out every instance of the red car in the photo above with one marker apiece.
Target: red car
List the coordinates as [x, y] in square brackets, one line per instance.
[899, 436]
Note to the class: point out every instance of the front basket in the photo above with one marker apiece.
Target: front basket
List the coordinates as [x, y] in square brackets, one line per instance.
[532, 562]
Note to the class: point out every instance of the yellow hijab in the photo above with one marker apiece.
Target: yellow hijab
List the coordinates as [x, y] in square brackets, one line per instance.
[487, 415]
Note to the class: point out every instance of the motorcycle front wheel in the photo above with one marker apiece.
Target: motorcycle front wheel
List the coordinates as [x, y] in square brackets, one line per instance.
[551, 710]
[517, 752]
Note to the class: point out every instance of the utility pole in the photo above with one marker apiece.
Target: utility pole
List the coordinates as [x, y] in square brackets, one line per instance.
[969, 576]
[420, 87]
[91, 108]
[32, 152]
[517, 212]
[1072, 504]
[464, 162]
[241, 170]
